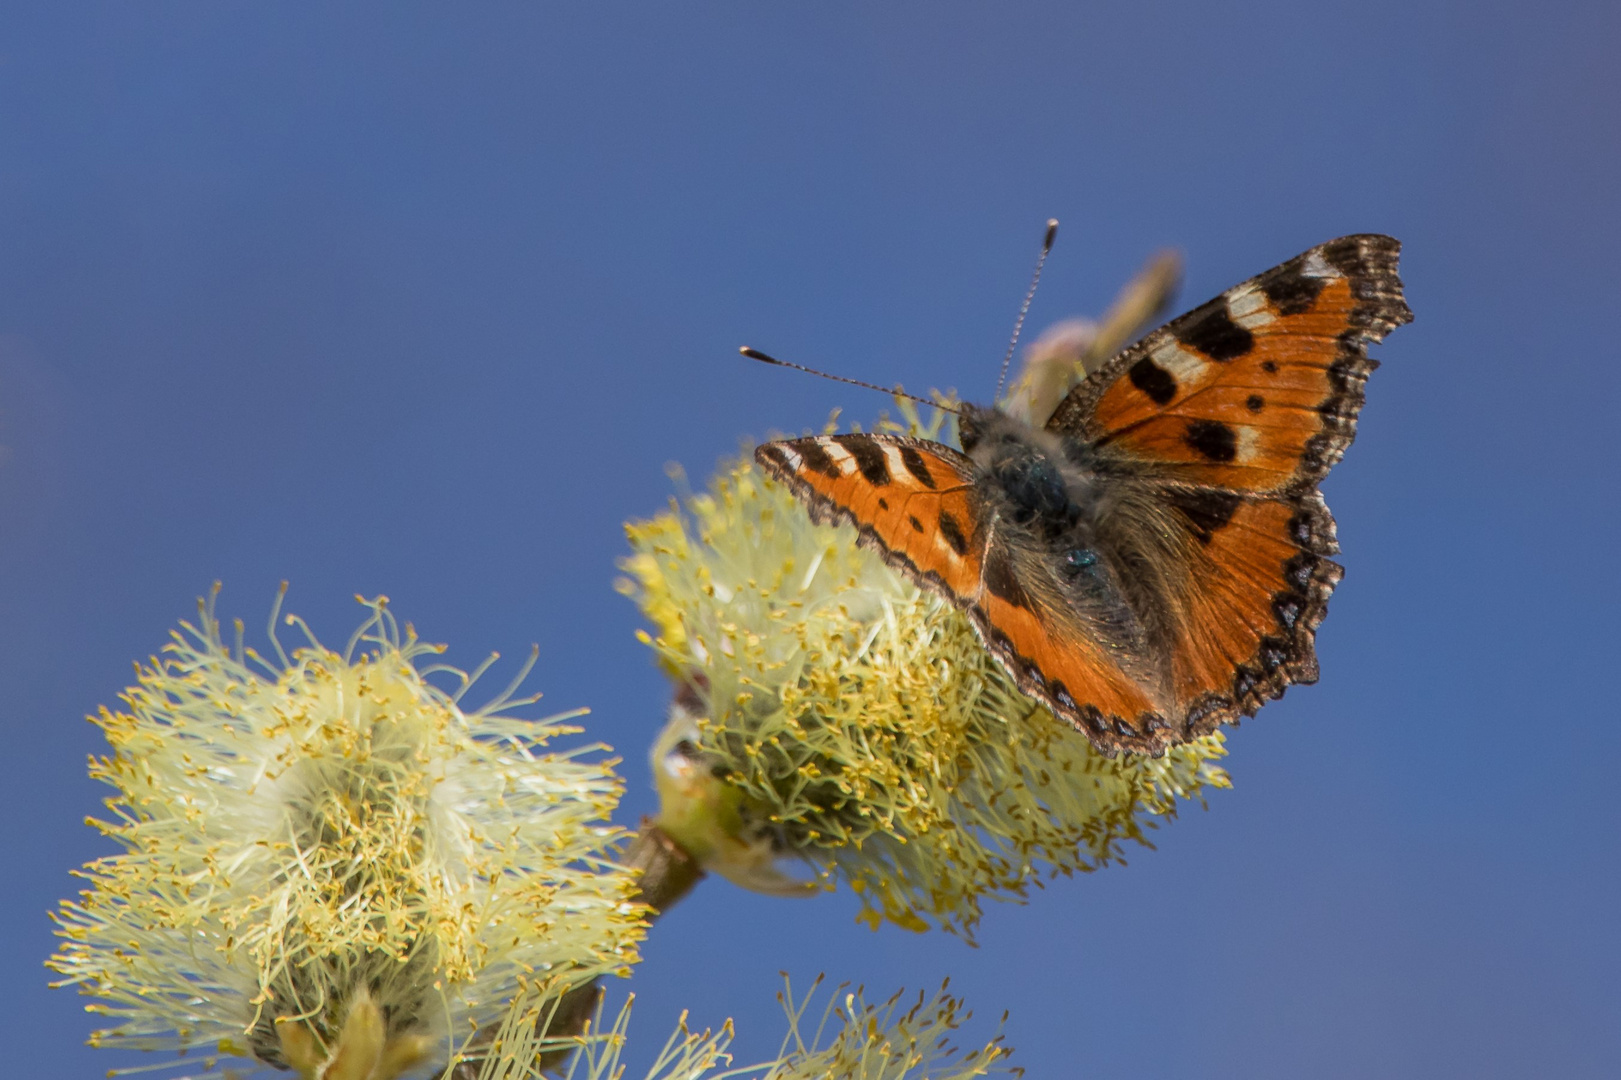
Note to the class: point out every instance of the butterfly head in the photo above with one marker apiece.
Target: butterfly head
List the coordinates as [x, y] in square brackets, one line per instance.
[975, 421]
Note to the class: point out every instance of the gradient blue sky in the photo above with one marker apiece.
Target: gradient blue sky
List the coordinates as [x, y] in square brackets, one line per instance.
[419, 300]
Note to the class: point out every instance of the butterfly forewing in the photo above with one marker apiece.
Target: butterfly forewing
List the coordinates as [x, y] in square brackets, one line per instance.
[1259, 389]
[909, 498]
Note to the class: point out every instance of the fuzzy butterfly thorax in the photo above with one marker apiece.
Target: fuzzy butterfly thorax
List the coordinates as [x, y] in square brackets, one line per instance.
[1152, 561]
[1043, 506]
[1044, 485]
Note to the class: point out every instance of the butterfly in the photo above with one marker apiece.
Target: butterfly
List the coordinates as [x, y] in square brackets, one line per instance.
[1152, 561]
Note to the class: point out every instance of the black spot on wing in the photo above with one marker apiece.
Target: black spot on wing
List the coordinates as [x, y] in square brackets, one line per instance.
[1292, 292]
[952, 531]
[917, 466]
[869, 457]
[1216, 335]
[1153, 380]
[1212, 439]
[1269, 366]
[999, 579]
[917, 526]
[816, 458]
[1205, 511]
[1255, 403]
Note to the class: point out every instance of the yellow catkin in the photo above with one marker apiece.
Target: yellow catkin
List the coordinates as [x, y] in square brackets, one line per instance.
[862, 722]
[326, 843]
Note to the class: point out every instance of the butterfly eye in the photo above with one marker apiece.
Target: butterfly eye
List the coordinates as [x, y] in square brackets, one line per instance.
[1078, 559]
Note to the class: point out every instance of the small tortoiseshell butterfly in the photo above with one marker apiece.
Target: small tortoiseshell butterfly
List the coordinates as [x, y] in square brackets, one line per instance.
[1152, 561]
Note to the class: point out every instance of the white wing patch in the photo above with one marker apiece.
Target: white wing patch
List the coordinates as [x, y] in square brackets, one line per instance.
[1316, 266]
[1188, 369]
[843, 460]
[1249, 309]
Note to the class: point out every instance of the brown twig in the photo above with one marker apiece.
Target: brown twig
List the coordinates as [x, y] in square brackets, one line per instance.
[667, 872]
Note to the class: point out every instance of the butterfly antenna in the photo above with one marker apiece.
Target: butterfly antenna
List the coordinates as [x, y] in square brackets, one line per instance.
[1024, 308]
[756, 354]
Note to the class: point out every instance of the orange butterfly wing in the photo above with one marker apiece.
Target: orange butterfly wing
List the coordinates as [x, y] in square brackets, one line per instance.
[1254, 588]
[909, 498]
[1235, 411]
[1259, 389]
[913, 501]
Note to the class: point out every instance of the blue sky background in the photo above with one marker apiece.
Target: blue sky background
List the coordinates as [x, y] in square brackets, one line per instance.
[419, 300]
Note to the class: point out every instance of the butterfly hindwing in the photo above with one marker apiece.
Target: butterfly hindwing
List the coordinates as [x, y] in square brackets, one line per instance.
[1072, 674]
[1071, 646]
[914, 502]
[1245, 613]
[1259, 389]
